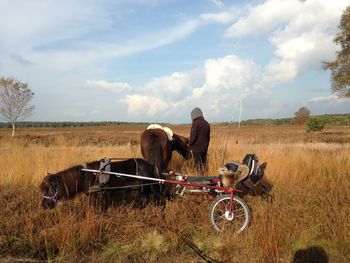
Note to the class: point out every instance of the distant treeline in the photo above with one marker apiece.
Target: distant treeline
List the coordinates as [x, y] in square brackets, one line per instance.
[62, 124]
[330, 119]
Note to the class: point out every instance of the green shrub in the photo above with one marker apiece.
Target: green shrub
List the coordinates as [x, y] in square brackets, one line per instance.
[314, 124]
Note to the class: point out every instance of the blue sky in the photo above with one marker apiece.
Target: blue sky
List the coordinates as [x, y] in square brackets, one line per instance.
[154, 60]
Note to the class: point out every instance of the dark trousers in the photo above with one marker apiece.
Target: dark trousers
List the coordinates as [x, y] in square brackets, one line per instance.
[200, 161]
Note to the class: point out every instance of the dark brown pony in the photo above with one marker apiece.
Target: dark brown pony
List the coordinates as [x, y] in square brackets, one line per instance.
[157, 149]
[65, 185]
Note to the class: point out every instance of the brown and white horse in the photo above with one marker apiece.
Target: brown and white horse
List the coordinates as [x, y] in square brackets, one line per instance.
[157, 149]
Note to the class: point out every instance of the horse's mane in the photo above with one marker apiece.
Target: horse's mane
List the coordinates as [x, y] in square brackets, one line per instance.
[68, 181]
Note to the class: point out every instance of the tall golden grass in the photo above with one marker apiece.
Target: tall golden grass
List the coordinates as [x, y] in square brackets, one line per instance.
[310, 206]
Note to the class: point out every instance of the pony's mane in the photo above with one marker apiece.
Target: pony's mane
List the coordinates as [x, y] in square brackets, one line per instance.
[181, 139]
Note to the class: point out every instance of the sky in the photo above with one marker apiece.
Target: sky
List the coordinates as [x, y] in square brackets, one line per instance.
[155, 60]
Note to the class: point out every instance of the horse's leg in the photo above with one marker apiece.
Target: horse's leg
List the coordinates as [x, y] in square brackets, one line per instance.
[138, 198]
[99, 201]
[93, 201]
[156, 195]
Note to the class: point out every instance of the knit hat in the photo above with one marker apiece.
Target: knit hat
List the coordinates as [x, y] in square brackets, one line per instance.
[196, 112]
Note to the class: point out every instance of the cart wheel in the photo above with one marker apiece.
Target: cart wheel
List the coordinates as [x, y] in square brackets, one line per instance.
[221, 219]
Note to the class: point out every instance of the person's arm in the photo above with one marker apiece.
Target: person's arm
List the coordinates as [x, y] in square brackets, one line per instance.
[194, 134]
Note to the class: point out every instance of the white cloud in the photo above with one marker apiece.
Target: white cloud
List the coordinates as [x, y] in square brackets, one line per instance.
[280, 72]
[264, 17]
[217, 3]
[53, 34]
[230, 72]
[329, 99]
[65, 59]
[302, 34]
[32, 23]
[223, 17]
[329, 104]
[174, 86]
[218, 83]
[144, 105]
[299, 54]
[304, 40]
[118, 86]
[315, 15]
[51, 42]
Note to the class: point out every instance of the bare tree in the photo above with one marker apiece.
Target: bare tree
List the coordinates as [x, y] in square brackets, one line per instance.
[301, 116]
[15, 98]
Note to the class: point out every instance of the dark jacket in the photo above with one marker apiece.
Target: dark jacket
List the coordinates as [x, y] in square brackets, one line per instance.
[200, 135]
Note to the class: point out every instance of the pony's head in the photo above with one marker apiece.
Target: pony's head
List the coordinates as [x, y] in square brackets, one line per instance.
[65, 184]
[180, 144]
[50, 188]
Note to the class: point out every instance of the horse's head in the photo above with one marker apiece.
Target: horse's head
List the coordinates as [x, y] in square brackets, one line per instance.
[67, 183]
[180, 144]
[50, 188]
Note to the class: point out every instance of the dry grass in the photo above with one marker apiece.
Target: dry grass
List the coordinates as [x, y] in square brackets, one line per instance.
[311, 204]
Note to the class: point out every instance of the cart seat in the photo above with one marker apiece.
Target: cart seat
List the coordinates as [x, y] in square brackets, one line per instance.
[193, 179]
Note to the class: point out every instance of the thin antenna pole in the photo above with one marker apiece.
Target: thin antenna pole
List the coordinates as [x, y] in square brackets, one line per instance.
[229, 130]
[240, 113]
[228, 135]
[239, 118]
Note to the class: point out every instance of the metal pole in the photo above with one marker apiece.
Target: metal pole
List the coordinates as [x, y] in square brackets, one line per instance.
[240, 113]
[226, 190]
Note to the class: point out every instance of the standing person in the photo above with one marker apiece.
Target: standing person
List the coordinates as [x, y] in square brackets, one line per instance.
[199, 139]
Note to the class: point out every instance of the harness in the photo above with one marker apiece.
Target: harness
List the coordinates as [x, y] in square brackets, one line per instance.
[55, 197]
[105, 165]
[104, 178]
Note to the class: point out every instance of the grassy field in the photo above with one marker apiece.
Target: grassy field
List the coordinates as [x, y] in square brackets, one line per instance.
[310, 206]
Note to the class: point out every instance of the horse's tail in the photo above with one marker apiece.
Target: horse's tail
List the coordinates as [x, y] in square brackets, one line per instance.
[154, 148]
[156, 153]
